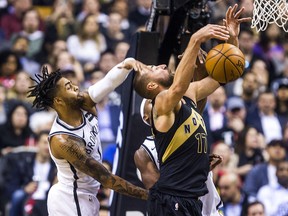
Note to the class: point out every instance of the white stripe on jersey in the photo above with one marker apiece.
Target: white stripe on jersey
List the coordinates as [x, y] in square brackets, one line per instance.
[88, 131]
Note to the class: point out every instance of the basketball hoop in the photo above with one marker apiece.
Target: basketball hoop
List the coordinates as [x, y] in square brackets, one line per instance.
[266, 12]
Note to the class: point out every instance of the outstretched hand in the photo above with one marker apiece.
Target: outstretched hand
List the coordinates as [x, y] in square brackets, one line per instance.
[214, 160]
[211, 31]
[131, 63]
[233, 20]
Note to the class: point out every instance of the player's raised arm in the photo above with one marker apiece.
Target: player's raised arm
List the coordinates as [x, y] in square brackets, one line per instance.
[166, 101]
[73, 150]
[233, 21]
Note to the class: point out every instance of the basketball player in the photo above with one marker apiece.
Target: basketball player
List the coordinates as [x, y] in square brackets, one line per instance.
[74, 141]
[146, 160]
[178, 128]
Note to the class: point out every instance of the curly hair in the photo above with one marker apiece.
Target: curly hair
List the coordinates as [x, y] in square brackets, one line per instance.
[45, 89]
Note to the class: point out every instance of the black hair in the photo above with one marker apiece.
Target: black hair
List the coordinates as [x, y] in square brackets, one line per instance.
[45, 89]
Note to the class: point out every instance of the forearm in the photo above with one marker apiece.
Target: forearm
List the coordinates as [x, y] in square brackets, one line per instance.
[112, 80]
[234, 41]
[185, 70]
[126, 188]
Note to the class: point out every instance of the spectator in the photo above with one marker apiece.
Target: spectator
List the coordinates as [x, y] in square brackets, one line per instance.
[57, 47]
[260, 68]
[121, 50]
[20, 88]
[249, 90]
[20, 46]
[16, 129]
[31, 29]
[12, 22]
[214, 114]
[249, 149]
[235, 115]
[265, 119]
[87, 45]
[229, 162]
[92, 7]
[60, 24]
[29, 176]
[280, 88]
[231, 194]
[140, 14]
[9, 67]
[65, 61]
[107, 61]
[265, 173]
[3, 98]
[273, 196]
[113, 32]
[255, 208]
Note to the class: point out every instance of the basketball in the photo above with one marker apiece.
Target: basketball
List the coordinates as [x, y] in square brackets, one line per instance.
[225, 63]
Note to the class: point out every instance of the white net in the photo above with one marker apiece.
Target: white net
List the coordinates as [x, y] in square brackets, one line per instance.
[266, 12]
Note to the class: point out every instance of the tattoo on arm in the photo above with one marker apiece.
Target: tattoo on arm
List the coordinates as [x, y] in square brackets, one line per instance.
[74, 150]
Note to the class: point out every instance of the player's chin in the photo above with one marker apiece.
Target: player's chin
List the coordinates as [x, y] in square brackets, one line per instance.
[80, 97]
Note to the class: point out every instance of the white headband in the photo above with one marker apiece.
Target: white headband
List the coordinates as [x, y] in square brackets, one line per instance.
[142, 107]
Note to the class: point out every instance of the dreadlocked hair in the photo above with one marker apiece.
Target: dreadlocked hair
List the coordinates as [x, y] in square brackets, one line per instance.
[45, 89]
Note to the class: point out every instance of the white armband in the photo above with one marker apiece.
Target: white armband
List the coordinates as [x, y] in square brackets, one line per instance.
[112, 80]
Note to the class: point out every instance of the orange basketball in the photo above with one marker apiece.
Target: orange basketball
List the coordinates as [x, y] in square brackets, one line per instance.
[225, 63]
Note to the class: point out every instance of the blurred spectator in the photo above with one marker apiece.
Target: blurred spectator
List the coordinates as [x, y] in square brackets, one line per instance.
[107, 61]
[285, 134]
[3, 98]
[139, 15]
[88, 44]
[65, 61]
[12, 22]
[273, 196]
[29, 175]
[246, 42]
[265, 119]
[20, 89]
[270, 49]
[255, 208]
[122, 8]
[260, 69]
[113, 32]
[9, 67]
[250, 150]
[60, 24]
[214, 114]
[235, 121]
[57, 47]
[265, 173]
[229, 162]
[249, 90]
[280, 88]
[16, 129]
[31, 29]
[231, 194]
[20, 46]
[92, 7]
[121, 50]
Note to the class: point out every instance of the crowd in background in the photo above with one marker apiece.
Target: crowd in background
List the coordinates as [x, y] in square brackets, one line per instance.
[247, 120]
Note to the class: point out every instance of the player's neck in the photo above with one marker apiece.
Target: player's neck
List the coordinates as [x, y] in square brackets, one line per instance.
[71, 117]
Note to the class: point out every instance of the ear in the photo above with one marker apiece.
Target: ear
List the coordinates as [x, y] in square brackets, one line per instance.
[152, 86]
[57, 101]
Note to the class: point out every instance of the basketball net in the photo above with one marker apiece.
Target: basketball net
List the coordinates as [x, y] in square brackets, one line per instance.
[266, 12]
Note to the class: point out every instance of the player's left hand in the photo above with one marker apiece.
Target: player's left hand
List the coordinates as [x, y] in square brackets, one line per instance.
[87, 105]
[233, 20]
[214, 160]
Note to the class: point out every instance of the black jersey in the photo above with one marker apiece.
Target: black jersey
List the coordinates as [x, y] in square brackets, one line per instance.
[183, 154]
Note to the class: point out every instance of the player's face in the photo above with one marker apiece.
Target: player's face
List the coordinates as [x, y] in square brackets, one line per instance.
[70, 93]
[162, 74]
